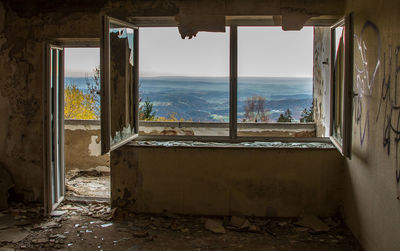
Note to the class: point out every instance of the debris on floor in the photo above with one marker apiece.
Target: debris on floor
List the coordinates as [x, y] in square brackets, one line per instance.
[312, 222]
[93, 182]
[93, 226]
[214, 226]
[6, 183]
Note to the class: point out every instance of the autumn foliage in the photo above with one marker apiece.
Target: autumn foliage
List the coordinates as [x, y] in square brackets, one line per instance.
[79, 105]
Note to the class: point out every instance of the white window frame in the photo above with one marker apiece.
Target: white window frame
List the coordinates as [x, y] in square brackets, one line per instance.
[343, 145]
[233, 23]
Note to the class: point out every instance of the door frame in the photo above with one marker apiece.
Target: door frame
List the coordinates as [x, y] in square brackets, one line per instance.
[61, 43]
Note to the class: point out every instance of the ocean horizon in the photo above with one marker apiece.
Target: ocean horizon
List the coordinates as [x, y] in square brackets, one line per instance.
[206, 99]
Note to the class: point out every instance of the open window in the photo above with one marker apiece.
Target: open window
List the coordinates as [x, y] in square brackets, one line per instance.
[119, 83]
[121, 102]
[341, 85]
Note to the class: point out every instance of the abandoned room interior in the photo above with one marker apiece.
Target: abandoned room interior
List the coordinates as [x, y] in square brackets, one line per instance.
[228, 167]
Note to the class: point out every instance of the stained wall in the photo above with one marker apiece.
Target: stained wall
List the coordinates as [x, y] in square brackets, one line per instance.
[371, 195]
[273, 182]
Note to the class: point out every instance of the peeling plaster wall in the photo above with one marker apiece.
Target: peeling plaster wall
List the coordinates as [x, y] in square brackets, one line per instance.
[223, 181]
[371, 203]
[321, 80]
[24, 29]
[21, 91]
[82, 146]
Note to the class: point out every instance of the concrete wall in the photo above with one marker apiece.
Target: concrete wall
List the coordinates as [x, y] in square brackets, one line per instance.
[222, 129]
[225, 181]
[371, 203]
[82, 146]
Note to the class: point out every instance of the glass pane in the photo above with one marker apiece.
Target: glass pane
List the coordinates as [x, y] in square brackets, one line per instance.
[184, 84]
[275, 87]
[338, 83]
[121, 40]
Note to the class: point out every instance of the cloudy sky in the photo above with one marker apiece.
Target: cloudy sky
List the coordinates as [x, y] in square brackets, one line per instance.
[262, 51]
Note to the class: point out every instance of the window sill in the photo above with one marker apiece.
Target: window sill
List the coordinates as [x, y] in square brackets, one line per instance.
[250, 143]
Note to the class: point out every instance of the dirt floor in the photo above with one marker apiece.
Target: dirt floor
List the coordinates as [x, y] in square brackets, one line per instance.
[91, 183]
[96, 227]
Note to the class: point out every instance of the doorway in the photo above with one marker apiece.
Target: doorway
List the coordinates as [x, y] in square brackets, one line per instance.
[87, 171]
[75, 168]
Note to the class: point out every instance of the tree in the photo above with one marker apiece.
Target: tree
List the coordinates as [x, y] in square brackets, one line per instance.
[254, 109]
[78, 105]
[286, 117]
[93, 86]
[146, 111]
[307, 115]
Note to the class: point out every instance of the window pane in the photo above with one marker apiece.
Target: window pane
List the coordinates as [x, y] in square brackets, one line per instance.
[184, 84]
[338, 84]
[274, 81]
[121, 83]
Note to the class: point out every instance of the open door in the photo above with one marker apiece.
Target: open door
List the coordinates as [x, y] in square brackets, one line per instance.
[54, 120]
[119, 83]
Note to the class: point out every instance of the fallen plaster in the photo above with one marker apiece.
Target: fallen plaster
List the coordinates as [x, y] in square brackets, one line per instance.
[94, 182]
[95, 226]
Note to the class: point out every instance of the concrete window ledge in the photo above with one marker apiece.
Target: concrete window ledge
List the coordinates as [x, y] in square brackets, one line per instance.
[243, 144]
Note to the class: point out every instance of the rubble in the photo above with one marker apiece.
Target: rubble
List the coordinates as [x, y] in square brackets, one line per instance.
[85, 225]
[93, 182]
[214, 226]
[312, 222]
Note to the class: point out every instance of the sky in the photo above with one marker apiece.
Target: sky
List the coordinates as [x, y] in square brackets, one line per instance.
[79, 61]
[262, 52]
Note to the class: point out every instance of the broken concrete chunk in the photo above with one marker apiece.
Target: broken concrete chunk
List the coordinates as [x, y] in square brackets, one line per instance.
[214, 226]
[254, 229]
[13, 235]
[239, 222]
[57, 236]
[312, 222]
[40, 241]
[57, 213]
[47, 225]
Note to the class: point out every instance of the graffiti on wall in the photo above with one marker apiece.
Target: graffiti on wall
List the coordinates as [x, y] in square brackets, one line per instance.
[389, 105]
[365, 80]
[389, 91]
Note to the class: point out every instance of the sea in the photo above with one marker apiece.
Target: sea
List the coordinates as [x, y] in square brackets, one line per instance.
[206, 99]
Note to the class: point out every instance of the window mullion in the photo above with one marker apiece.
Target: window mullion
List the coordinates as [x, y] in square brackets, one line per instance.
[233, 83]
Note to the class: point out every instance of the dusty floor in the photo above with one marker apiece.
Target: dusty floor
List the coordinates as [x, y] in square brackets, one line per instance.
[91, 227]
[88, 184]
